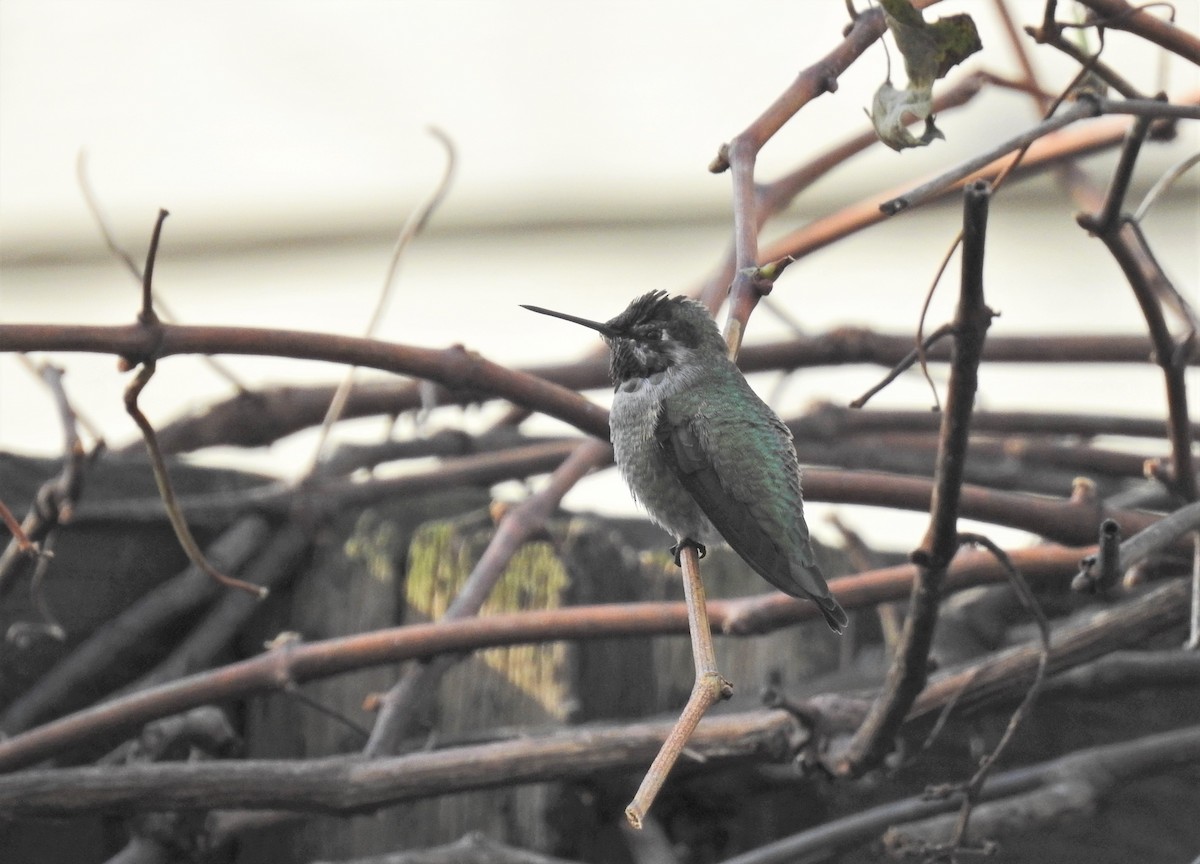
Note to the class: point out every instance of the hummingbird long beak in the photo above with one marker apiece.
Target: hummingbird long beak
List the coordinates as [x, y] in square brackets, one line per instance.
[599, 327]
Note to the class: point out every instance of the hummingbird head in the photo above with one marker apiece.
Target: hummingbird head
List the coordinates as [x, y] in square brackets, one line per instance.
[655, 333]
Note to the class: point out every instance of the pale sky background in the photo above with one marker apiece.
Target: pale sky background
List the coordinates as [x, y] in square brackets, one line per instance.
[288, 141]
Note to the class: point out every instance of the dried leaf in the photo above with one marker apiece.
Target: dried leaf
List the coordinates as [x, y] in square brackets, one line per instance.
[888, 114]
[929, 51]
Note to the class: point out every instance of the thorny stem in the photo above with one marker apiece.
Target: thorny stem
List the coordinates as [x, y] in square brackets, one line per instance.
[709, 689]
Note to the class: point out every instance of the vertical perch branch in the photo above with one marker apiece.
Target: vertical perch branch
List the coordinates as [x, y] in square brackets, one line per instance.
[907, 675]
[709, 689]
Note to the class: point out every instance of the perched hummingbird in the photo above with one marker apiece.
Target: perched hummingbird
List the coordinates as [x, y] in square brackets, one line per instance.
[704, 455]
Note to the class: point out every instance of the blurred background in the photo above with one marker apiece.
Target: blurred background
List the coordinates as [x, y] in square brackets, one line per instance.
[289, 141]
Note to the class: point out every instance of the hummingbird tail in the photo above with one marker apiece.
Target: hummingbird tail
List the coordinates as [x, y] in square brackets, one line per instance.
[835, 615]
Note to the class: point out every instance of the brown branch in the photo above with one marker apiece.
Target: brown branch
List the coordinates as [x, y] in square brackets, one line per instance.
[304, 662]
[907, 675]
[1010, 673]
[341, 784]
[774, 197]
[1127, 245]
[741, 153]
[454, 367]
[255, 419]
[1119, 15]
[163, 479]
[1060, 519]
[1123, 671]
[1070, 143]
[833, 423]
[1063, 520]
[348, 785]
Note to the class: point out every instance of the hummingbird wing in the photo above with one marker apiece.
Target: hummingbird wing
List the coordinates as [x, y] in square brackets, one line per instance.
[774, 541]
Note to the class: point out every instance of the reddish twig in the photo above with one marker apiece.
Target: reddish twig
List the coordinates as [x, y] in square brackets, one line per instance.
[454, 367]
[709, 689]
[304, 662]
[257, 419]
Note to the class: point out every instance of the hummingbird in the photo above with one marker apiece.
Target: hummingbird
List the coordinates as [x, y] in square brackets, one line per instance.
[706, 457]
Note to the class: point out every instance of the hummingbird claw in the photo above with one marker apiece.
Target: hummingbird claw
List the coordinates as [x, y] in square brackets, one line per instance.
[685, 543]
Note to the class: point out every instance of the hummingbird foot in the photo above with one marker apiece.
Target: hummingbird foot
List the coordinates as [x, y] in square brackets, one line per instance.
[684, 544]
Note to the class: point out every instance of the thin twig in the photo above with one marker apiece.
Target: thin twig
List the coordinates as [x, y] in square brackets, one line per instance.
[1163, 183]
[1119, 15]
[910, 358]
[416, 221]
[24, 544]
[708, 689]
[149, 320]
[1050, 33]
[110, 240]
[973, 788]
[186, 541]
[1084, 109]
[1008, 168]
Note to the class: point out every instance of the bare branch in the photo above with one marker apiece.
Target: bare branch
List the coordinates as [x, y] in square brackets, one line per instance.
[907, 675]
